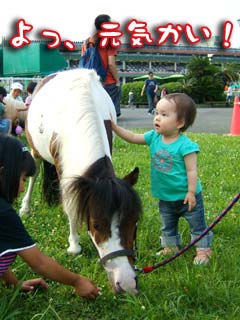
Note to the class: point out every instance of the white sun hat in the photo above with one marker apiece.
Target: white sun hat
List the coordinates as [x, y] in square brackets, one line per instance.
[17, 85]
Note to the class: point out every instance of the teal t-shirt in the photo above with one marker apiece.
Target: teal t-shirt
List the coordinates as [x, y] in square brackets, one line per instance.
[168, 171]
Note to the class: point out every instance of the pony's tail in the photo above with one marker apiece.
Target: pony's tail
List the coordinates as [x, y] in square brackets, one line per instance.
[50, 184]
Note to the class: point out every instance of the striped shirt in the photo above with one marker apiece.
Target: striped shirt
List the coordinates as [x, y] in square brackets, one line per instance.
[5, 262]
[13, 236]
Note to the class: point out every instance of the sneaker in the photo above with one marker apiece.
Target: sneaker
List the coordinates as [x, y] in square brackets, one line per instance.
[167, 251]
[202, 256]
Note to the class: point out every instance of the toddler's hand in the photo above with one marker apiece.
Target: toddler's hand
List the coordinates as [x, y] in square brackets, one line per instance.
[113, 124]
[191, 200]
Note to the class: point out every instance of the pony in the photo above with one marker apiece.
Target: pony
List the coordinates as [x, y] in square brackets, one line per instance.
[67, 128]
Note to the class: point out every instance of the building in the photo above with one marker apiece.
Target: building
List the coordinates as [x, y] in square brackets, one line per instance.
[164, 60]
[36, 60]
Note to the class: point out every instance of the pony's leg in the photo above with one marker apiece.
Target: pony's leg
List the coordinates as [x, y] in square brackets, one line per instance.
[70, 208]
[25, 206]
[73, 239]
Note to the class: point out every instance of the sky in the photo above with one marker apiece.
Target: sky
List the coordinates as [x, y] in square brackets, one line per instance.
[75, 23]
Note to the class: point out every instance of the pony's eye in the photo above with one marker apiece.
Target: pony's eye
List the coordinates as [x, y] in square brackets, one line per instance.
[96, 226]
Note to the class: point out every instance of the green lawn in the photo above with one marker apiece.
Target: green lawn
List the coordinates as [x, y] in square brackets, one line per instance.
[178, 290]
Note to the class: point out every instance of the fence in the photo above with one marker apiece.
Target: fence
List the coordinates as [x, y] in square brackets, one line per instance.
[7, 82]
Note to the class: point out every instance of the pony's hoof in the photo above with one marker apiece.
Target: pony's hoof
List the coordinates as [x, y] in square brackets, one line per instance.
[74, 250]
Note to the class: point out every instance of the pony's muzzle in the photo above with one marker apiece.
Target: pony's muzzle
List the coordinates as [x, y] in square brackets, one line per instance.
[130, 290]
[119, 290]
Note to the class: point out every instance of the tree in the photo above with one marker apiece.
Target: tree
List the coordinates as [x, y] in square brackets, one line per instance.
[186, 85]
[230, 73]
[205, 80]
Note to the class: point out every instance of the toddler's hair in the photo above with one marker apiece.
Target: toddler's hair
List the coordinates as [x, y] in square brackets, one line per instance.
[31, 86]
[185, 108]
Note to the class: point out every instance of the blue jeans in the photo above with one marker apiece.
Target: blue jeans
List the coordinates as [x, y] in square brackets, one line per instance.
[4, 125]
[150, 99]
[172, 211]
[115, 94]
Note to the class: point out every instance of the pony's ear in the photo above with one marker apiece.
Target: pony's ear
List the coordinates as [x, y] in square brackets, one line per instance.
[132, 177]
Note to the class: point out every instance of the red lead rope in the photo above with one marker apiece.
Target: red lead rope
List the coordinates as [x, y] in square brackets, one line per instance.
[180, 252]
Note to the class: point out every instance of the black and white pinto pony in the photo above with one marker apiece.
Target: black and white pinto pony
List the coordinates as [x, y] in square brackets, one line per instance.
[68, 128]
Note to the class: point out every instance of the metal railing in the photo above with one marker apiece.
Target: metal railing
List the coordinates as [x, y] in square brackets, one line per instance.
[7, 82]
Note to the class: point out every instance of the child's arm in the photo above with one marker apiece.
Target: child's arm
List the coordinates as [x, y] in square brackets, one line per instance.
[51, 269]
[143, 88]
[191, 167]
[23, 108]
[128, 135]
[18, 105]
[10, 279]
[113, 68]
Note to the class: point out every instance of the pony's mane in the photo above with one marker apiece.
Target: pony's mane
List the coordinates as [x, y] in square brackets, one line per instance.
[101, 169]
[100, 193]
[79, 83]
[83, 127]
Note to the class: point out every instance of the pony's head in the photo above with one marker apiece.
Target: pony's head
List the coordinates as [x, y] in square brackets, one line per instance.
[112, 209]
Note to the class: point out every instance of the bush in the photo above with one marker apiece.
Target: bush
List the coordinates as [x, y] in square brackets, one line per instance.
[172, 87]
[136, 88]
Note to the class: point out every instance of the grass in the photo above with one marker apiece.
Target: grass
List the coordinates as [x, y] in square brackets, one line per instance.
[176, 291]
